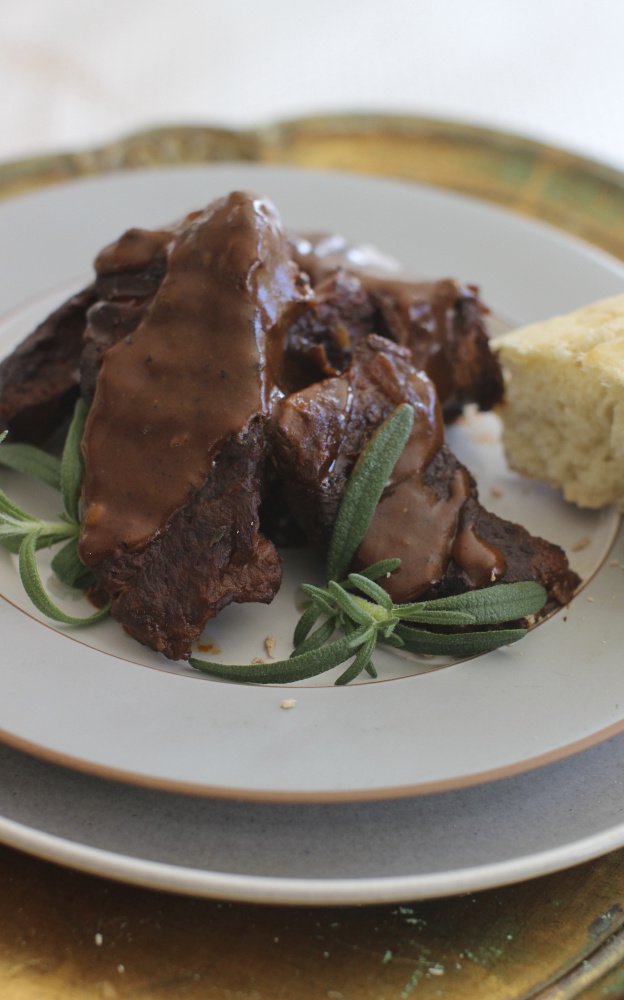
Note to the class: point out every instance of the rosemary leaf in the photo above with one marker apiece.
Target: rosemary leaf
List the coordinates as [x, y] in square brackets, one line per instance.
[33, 585]
[457, 644]
[297, 668]
[33, 462]
[71, 462]
[435, 617]
[45, 534]
[361, 661]
[352, 608]
[364, 488]
[10, 510]
[13, 530]
[10, 528]
[11, 543]
[319, 597]
[372, 590]
[392, 639]
[371, 670]
[318, 638]
[306, 623]
[69, 568]
[382, 568]
[505, 602]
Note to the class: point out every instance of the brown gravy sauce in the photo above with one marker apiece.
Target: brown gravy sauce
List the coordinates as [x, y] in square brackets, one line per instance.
[483, 562]
[133, 251]
[413, 521]
[405, 303]
[197, 369]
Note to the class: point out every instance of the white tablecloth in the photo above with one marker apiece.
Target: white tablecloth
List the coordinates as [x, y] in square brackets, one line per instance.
[79, 72]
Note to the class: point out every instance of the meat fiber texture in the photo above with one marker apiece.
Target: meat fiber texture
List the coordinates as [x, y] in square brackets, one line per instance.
[39, 380]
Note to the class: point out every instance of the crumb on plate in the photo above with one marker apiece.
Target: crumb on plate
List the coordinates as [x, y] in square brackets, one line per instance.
[208, 646]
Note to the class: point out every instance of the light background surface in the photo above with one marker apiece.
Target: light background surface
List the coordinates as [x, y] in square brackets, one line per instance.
[79, 72]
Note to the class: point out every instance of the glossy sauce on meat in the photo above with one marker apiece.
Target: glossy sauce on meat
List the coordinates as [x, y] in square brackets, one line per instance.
[200, 365]
[320, 431]
[413, 518]
[440, 322]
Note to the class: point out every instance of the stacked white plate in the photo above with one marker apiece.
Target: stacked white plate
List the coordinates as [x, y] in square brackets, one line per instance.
[437, 778]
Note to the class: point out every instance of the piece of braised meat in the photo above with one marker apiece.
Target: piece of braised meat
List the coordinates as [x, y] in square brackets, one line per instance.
[209, 553]
[39, 380]
[128, 274]
[429, 514]
[440, 322]
[174, 443]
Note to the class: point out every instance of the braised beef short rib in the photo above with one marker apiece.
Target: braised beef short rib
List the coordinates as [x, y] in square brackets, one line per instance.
[39, 380]
[429, 513]
[174, 443]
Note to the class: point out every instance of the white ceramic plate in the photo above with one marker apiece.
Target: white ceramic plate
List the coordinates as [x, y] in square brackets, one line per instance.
[100, 702]
[330, 853]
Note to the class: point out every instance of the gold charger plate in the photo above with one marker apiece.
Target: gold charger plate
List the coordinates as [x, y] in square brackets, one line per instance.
[70, 935]
[579, 195]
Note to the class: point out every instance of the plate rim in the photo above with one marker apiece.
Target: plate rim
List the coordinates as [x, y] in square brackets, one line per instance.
[301, 891]
[272, 796]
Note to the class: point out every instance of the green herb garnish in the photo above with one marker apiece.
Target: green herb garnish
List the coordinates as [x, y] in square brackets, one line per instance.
[364, 488]
[24, 534]
[364, 612]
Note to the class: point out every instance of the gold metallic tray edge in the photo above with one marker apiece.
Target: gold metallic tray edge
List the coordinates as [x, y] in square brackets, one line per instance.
[576, 194]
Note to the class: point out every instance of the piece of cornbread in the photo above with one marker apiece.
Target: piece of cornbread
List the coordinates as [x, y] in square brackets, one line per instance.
[563, 418]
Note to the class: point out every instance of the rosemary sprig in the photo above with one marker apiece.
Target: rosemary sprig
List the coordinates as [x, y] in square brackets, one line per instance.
[24, 534]
[31, 462]
[364, 488]
[71, 463]
[364, 612]
[33, 585]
